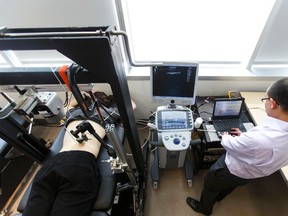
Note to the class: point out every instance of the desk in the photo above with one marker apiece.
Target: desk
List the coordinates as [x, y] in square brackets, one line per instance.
[205, 110]
[257, 113]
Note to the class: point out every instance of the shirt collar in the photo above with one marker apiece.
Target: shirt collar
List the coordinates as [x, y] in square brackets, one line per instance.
[276, 123]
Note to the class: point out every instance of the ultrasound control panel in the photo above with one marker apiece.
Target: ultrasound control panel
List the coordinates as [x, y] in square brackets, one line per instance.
[176, 141]
[175, 126]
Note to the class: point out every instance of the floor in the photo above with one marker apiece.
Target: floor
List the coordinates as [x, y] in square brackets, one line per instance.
[48, 134]
[262, 197]
[11, 207]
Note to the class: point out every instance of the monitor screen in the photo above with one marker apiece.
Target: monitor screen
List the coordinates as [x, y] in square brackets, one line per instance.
[174, 82]
[227, 108]
[174, 120]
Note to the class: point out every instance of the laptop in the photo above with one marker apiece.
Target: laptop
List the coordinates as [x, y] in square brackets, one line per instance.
[227, 113]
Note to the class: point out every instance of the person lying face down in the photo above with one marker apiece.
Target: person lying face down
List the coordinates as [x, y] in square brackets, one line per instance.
[68, 183]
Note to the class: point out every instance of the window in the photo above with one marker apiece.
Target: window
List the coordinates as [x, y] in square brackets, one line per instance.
[270, 56]
[50, 14]
[35, 58]
[220, 35]
[226, 37]
[2, 61]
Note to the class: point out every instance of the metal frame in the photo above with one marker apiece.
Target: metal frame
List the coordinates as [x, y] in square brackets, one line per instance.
[93, 48]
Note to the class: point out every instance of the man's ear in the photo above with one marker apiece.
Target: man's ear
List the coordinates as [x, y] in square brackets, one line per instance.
[274, 103]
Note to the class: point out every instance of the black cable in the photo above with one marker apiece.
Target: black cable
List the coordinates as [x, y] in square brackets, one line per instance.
[66, 99]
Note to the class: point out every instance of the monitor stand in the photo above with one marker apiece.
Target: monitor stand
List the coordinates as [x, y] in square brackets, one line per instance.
[172, 105]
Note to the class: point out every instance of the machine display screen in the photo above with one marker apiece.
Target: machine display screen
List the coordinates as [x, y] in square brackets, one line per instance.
[174, 120]
[174, 82]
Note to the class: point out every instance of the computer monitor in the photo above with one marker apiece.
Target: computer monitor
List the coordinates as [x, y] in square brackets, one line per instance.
[174, 83]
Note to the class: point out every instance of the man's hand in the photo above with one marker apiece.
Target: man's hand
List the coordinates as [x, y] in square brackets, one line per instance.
[235, 131]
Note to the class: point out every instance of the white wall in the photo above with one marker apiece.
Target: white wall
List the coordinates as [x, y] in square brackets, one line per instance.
[57, 13]
[140, 91]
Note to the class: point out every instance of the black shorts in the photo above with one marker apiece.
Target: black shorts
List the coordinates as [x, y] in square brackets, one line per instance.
[66, 184]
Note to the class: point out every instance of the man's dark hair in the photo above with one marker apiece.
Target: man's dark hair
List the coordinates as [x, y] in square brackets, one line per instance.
[279, 92]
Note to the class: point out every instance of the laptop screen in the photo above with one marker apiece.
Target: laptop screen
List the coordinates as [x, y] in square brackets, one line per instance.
[225, 108]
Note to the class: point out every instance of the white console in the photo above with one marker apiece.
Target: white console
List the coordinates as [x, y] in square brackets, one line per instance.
[176, 141]
[174, 125]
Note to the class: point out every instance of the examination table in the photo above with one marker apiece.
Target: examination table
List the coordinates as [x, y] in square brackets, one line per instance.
[107, 187]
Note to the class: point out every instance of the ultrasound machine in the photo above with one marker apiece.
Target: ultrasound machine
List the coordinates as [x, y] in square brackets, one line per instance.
[173, 84]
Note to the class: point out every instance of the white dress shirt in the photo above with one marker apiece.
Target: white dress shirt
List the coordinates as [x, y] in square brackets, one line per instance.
[258, 152]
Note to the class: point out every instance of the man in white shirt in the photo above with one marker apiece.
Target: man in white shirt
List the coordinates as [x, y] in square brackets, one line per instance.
[256, 153]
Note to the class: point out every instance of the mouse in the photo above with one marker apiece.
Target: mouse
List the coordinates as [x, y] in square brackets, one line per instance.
[198, 122]
[219, 134]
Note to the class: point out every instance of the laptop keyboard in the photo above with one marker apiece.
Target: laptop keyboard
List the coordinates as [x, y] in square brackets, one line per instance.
[227, 124]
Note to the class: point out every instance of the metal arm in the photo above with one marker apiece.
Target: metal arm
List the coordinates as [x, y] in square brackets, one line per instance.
[88, 111]
[86, 126]
[8, 108]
